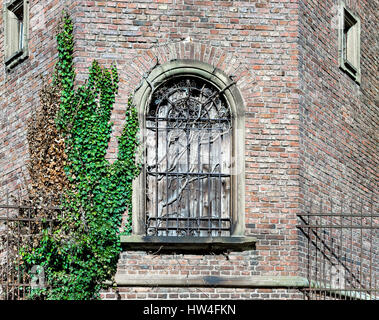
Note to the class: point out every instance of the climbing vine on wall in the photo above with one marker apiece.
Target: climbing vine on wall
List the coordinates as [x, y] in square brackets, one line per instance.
[82, 252]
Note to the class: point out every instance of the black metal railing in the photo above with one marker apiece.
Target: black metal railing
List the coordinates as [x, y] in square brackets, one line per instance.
[20, 227]
[342, 253]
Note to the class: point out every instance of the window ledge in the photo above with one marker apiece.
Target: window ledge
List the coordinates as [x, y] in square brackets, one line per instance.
[188, 244]
[272, 282]
[16, 59]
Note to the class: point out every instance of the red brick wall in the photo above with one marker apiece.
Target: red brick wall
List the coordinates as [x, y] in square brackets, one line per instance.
[339, 118]
[201, 293]
[303, 139]
[255, 42]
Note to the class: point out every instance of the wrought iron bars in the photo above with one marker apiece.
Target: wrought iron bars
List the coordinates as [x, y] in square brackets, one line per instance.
[188, 148]
[342, 252]
[18, 227]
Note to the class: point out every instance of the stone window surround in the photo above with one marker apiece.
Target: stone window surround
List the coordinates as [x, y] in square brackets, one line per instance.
[237, 241]
[345, 65]
[17, 57]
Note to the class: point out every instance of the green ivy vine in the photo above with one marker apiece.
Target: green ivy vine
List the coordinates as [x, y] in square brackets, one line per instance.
[82, 251]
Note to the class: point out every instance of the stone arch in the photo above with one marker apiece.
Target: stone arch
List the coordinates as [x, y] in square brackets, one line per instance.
[232, 64]
[133, 71]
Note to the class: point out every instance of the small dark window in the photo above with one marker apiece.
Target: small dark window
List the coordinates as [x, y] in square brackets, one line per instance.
[350, 43]
[18, 12]
[16, 22]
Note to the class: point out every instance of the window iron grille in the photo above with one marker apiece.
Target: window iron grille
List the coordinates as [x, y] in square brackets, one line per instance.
[188, 151]
[341, 250]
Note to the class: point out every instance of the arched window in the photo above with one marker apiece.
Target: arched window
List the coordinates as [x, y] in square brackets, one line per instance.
[188, 176]
[192, 124]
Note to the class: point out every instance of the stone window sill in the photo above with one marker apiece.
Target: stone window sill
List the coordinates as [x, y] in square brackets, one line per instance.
[355, 76]
[150, 280]
[16, 59]
[187, 244]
